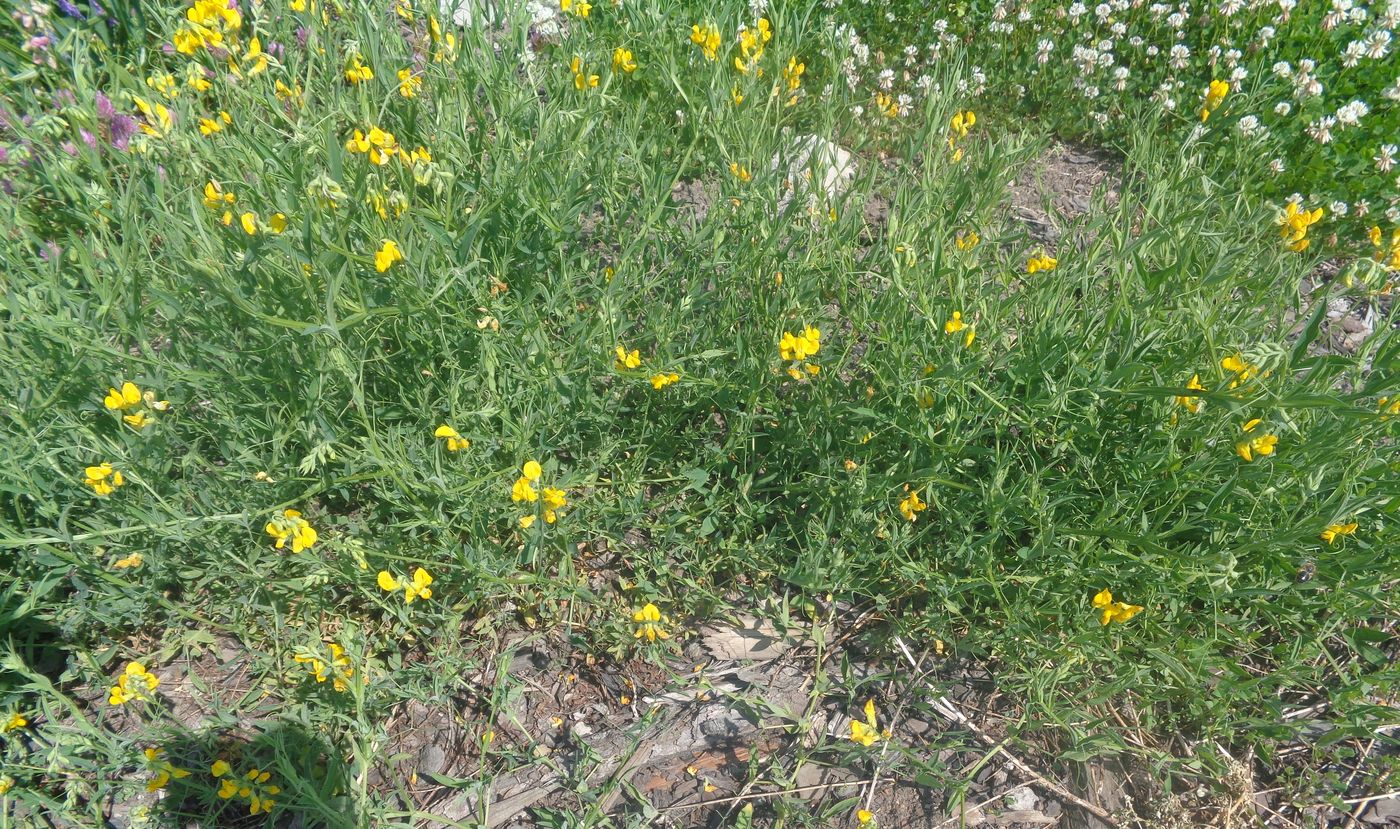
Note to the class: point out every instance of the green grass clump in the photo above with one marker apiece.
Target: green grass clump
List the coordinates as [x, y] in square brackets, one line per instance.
[643, 332]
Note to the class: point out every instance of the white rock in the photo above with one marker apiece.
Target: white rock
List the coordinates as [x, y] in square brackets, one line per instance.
[816, 167]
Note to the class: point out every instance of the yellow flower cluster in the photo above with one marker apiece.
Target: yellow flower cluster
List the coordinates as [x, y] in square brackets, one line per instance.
[1257, 445]
[1041, 262]
[1215, 95]
[1387, 252]
[622, 61]
[103, 478]
[378, 145]
[129, 399]
[252, 786]
[796, 348]
[291, 526]
[1112, 611]
[210, 126]
[792, 77]
[578, 8]
[626, 359]
[413, 589]
[216, 198]
[650, 623]
[387, 255]
[551, 499]
[1190, 402]
[751, 45]
[956, 324]
[334, 666]
[1335, 531]
[1294, 224]
[135, 683]
[207, 23]
[14, 722]
[162, 768]
[868, 732]
[582, 79]
[740, 172]
[455, 442]
[707, 38]
[252, 225]
[911, 506]
[358, 72]
[966, 241]
[663, 379]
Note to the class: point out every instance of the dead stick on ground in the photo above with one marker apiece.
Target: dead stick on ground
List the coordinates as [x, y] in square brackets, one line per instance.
[760, 795]
[945, 706]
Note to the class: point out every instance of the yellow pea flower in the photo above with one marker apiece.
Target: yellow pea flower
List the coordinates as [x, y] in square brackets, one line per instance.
[412, 590]
[868, 732]
[409, 83]
[627, 359]
[128, 397]
[864, 817]
[554, 500]
[740, 172]
[967, 240]
[14, 722]
[249, 221]
[1215, 95]
[649, 623]
[1257, 446]
[291, 526]
[219, 768]
[162, 768]
[622, 61]
[911, 506]
[129, 562]
[103, 478]
[1113, 611]
[358, 72]
[1334, 531]
[1041, 262]
[955, 324]
[1191, 402]
[582, 80]
[387, 255]
[454, 440]
[662, 380]
[135, 683]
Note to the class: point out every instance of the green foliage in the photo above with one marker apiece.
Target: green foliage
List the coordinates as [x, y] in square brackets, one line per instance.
[553, 225]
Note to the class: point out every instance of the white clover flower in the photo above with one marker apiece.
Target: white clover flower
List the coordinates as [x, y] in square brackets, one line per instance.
[940, 25]
[924, 82]
[1099, 118]
[1238, 74]
[1120, 78]
[1231, 7]
[904, 102]
[1119, 28]
[1286, 6]
[1176, 20]
[1321, 129]
[885, 80]
[1153, 51]
[1180, 56]
[1135, 42]
[1249, 126]
[1353, 54]
[1338, 208]
[1393, 215]
[1349, 115]
[758, 8]
[1265, 35]
[1043, 50]
[1076, 11]
[1392, 92]
[1361, 208]
[1282, 69]
[857, 111]
[1024, 16]
[1385, 160]
[1091, 92]
[1276, 166]
[1102, 11]
[1282, 108]
[1158, 9]
[1378, 44]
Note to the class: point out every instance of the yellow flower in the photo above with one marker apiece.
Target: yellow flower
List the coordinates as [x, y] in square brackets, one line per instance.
[649, 623]
[627, 359]
[162, 768]
[220, 768]
[215, 197]
[1114, 611]
[792, 73]
[277, 222]
[554, 500]
[249, 221]
[1215, 95]
[6, 783]
[455, 441]
[1041, 262]
[15, 721]
[967, 240]
[582, 80]
[412, 590]
[866, 733]
[128, 397]
[736, 96]
[1294, 224]
[1259, 445]
[707, 38]
[739, 172]
[865, 816]
[335, 667]
[129, 562]
[1241, 370]
[959, 125]
[622, 61]
[662, 380]
[1191, 402]
[387, 255]
[1333, 530]
[103, 478]
[135, 683]
[523, 491]
[409, 83]
[911, 506]
[800, 347]
[138, 421]
[581, 8]
[955, 324]
[291, 526]
[358, 72]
